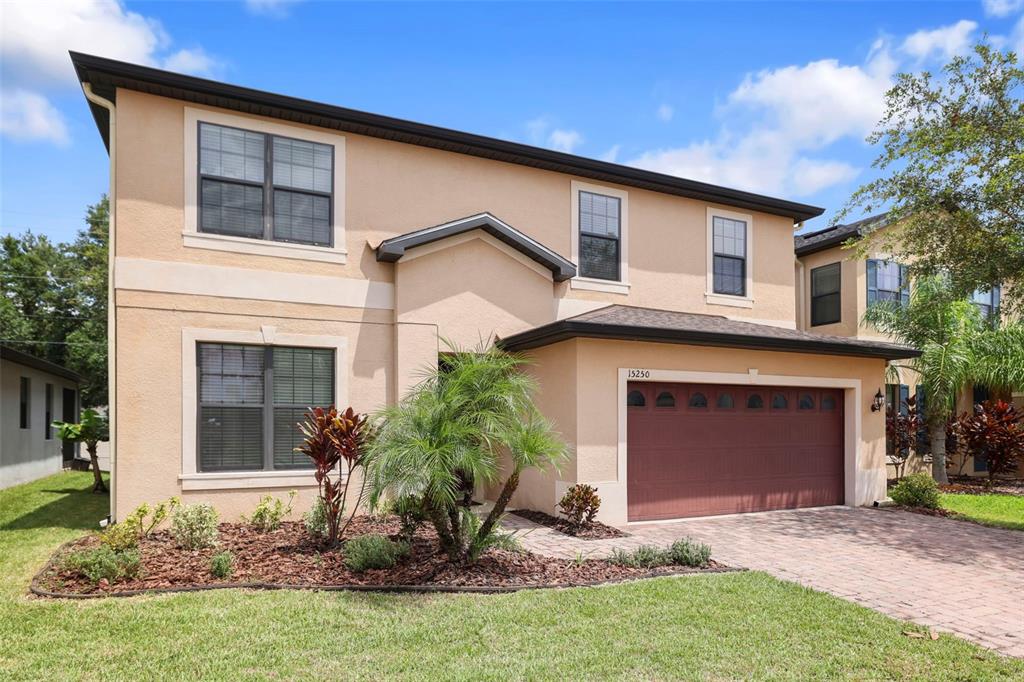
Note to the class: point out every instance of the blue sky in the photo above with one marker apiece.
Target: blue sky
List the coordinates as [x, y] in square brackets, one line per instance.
[770, 97]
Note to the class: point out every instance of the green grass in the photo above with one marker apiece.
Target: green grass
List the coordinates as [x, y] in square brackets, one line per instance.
[1004, 511]
[729, 626]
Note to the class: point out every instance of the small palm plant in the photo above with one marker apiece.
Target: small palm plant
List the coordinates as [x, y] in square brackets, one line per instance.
[92, 429]
[958, 347]
[451, 433]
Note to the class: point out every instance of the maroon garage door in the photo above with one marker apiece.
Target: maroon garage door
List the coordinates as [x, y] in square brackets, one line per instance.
[700, 449]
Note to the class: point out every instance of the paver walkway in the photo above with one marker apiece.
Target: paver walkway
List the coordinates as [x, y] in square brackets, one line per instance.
[951, 575]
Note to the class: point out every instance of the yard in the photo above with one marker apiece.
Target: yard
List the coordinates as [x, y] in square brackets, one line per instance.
[717, 626]
[1004, 511]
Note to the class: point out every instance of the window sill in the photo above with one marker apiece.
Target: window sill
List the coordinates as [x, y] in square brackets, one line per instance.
[259, 247]
[230, 480]
[726, 299]
[591, 284]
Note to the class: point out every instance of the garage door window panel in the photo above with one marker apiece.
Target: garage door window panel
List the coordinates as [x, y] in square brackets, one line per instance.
[755, 401]
[665, 400]
[725, 401]
[698, 401]
[780, 402]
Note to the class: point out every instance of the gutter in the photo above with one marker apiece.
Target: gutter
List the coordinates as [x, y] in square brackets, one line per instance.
[801, 322]
[111, 307]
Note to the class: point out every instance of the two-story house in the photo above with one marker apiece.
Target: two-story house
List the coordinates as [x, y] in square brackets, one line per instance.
[270, 253]
[834, 289]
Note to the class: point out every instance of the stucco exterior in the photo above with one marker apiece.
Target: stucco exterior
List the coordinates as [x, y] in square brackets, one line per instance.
[387, 321]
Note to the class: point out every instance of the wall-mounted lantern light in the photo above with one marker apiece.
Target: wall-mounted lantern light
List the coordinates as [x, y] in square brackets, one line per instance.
[879, 401]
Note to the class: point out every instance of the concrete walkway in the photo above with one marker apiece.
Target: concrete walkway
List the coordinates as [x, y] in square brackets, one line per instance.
[951, 575]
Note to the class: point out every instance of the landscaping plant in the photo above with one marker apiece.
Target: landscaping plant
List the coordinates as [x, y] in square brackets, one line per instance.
[92, 429]
[916, 490]
[333, 439]
[315, 519]
[138, 524]
[269, 513]
[684, 552]
[104, 563]
[194, 526]
[373, 551]
[996, 432]
[221, 564]
[579, 504]
[449, 435]
[901, 431]
[688, 552]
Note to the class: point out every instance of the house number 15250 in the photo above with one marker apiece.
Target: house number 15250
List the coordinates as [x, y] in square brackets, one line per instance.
[639, 374]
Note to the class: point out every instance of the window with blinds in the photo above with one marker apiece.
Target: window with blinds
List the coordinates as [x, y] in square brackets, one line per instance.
[600, 236]
[729, 262]
[265, 186]
[825, 296]
[251, 400]
[887, 281]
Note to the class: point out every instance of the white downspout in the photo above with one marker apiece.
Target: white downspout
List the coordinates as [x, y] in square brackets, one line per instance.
[111, 308]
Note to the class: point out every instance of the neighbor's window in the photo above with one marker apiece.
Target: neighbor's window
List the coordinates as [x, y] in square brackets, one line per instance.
[887, 281]
[987, 302]
[825, 286]
[264, 186]
[600, 236]
[48, 424]
[24, 391]
[251, 399]
[730, 256]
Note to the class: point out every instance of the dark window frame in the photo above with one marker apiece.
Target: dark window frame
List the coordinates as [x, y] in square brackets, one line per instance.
[717, 257]
[267, 186]
[266, 410]
[25, 403]
[817, 320]
[900, 295]
[989, 310]
[580, 234]
[48, 409]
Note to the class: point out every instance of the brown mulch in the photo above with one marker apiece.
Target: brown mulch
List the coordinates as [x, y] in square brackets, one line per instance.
[966, 485]
[289, 557]
[944, 513]
[596, 531]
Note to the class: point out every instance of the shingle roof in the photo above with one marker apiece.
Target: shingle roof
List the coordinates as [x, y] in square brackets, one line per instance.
[107, 75]
[666, 326]
[811, 242]
[390, 250]
[27, 360]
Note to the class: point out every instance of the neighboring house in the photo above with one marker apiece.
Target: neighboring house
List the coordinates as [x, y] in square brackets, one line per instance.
[271, 253]
[834, 288]
[33, 394]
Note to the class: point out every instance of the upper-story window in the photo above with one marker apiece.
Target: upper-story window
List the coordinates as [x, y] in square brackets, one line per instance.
[825, 296]
[265, 186]
[729, 256]
[887, 281]
[987, 302]
[600, 232]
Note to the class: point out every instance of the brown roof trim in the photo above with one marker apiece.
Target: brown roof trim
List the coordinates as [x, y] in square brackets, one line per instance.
[17, 357]
[106, 75]
[563, 330]
[813, 242]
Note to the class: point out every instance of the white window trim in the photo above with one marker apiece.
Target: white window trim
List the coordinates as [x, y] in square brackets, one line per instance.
[710, 296]
[191, 478]
[193, 238]
[591, 283]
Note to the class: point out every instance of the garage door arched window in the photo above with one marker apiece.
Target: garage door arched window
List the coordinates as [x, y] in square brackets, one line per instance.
[725, 401]
[779, 401]
[698, 401]
[806, 402]
[635, 399]
[665, 399]
[755, 401]
[828, 403]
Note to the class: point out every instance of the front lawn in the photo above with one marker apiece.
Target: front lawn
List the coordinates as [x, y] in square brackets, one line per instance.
[718, 626]
[1004, 511]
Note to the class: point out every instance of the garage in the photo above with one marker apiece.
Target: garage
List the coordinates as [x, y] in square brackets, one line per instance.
[705, 449]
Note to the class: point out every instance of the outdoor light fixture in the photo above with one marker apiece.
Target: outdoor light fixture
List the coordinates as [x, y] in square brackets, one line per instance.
[879, 401]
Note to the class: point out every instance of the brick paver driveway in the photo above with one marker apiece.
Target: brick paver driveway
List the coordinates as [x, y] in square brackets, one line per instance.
[951, 575]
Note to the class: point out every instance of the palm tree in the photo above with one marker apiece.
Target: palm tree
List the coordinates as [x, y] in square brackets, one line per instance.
[958, 347]
[450, 433]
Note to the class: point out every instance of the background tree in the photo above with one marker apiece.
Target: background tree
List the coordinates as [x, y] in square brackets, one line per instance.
[92, 429]
[53, 300]
[952, 167]
[958, 348]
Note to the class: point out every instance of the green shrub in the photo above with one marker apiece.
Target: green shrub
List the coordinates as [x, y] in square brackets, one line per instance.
[644, 556]
[315, 519]
[916, 490]
[194, 526]
[269, 513]
[221, 564]
[411, 515]
[373, 551]
[687, 552]
[579, 505]
[104, 563]
[125, 534]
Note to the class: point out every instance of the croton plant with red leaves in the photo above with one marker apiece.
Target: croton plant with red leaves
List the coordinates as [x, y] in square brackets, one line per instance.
[330, 439]
[996, 432]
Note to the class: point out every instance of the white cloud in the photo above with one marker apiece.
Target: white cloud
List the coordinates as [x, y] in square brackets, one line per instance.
[944, 42]
[1017, 39]
[665, 112]
[1002, 8]
[29, 116]
[35, 38]
[612, 155]
[812, 175]
[564, 140]
[273, 8]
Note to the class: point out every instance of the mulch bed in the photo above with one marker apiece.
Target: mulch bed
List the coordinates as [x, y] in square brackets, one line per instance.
[597, 530]
[290, 558]
[965, 485]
